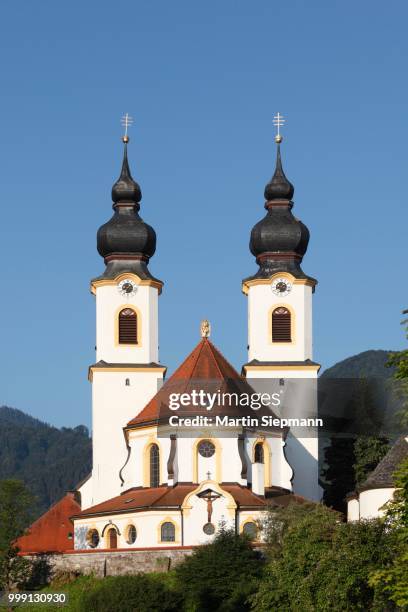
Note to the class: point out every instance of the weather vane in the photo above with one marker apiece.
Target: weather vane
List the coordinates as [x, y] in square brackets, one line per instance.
[278, 122]
[126, 121]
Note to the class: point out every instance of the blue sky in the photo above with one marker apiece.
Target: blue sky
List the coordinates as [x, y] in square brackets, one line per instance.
[202, 81]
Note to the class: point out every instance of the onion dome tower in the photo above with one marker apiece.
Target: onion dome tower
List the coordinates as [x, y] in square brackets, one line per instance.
[279, 241]
[126, 242]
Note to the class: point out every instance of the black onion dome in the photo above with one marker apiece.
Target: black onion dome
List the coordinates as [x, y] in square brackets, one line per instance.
[126, 189]
[126, 233]
[280, 240]
[126, 242]
[279, 188]
[279, 231]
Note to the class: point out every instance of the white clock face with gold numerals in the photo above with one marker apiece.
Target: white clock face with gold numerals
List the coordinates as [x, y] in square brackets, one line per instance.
[127, 287]
[281, 287]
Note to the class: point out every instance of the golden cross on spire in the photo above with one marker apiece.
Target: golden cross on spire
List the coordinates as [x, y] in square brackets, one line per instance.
[126, 121]
[278, 122]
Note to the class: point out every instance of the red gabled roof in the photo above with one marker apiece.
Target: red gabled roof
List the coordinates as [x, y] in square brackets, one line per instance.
[205, 365]
[166, 497]
[50, 533]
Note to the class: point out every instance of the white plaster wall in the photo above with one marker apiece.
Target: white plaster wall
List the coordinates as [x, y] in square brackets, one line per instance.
[301, 452]
[86, 493]
[353, 510]
[280, 472]
[113, 405]
[261, 302]
[372, 501]
[139, 441]
[146, 523]
[108, 303]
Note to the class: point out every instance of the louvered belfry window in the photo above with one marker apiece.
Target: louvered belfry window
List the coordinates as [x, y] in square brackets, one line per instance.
[281, 325]
[127, 326]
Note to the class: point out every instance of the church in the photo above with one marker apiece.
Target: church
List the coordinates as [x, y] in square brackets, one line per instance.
[155, 485]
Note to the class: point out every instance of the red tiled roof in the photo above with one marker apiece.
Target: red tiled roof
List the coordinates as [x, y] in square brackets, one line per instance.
[204, 365]
[165, 497]
[50, 532]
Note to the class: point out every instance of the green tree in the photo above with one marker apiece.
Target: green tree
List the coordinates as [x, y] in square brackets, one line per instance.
[15, 506]
[220, 575]
[399, 361]
[368, 452]
[317, 563]
[392, 580]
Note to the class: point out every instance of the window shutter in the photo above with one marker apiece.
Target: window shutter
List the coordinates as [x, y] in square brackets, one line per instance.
[281, 325]
[127, 326]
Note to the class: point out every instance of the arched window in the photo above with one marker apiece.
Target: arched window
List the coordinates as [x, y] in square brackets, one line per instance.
[281, 325]
[154, 466]
[168, 532]
[259, 453]
[112, 538]
[250, 529]
[127, 326]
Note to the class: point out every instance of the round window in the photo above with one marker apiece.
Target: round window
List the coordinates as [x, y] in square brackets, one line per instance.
[131, 534]
[206, 448]
[93, 538]
[251, 530]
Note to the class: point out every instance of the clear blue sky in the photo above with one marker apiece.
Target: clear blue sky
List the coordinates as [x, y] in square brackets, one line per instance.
[202, 81]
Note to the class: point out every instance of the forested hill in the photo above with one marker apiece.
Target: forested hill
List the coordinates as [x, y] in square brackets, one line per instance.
[369, 364]
[49, 460]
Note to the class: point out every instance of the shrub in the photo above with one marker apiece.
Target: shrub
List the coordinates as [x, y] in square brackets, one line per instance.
[140, 593]
[219, 575]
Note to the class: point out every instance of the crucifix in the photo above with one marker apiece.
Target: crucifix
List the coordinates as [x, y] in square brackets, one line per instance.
[209, 496]
[278, 122]
[126, 122]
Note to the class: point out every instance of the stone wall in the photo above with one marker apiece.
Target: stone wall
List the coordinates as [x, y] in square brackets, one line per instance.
[116, 563]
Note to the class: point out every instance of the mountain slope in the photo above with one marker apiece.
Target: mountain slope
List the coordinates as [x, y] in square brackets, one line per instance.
[370, 364]
[48, 460]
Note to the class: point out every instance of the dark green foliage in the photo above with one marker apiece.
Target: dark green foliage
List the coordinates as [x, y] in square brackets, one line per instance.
[15, 504]
[368, 452]
[48, 460]
[220, 575]
[140, 593]
[338, 472]
[318, 563]
[392, 578]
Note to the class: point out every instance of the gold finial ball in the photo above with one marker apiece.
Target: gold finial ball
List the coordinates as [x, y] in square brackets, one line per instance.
[205, 329]
[125, 139]
[278, 138]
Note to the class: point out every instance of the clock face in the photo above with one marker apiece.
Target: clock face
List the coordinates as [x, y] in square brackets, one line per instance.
[281, 286]
[127, 287]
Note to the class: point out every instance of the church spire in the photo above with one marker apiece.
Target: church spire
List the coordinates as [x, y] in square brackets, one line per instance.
[279, 187]
[279, 241]
[126, 189]
[126, 242]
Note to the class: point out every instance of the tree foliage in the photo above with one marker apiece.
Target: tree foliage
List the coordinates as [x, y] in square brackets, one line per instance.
[15, 514]
[48, 460]
[368, 452]
[318, 563]
[141, 593]
[219, 575]
[392, 580]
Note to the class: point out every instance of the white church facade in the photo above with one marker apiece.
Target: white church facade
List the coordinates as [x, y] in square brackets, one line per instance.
[152, 484]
